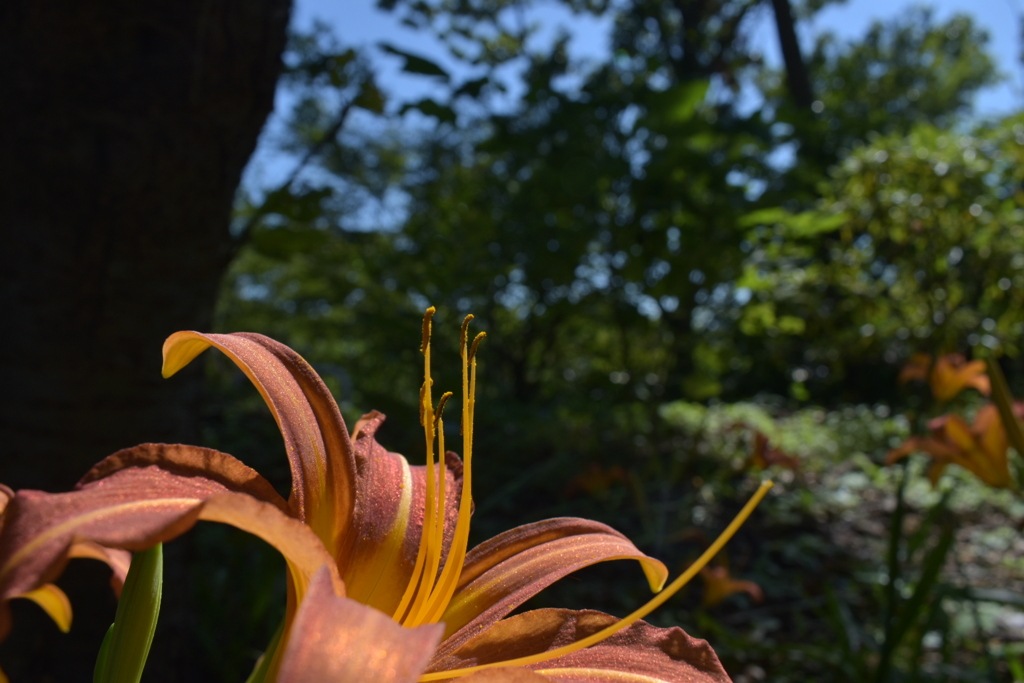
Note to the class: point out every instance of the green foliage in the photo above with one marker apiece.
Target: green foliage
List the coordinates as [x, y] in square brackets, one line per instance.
[914, 246]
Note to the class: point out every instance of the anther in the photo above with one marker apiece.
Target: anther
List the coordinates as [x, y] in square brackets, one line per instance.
[476, 344]
[465, 331]
[440, 407]
[427, 316]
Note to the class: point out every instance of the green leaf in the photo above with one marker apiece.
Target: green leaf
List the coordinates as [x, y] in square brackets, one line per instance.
[414, 64]
[259, 672]
[680, 104]
[429, 107]
[370, 98]
[125, 648]
[99, 674]
[933, 563]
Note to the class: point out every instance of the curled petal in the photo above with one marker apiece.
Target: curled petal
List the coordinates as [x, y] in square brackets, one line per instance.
[640, 654]
[138, 506]
[5, 497]
[315, 437]
[387, 519]
[338, 640]
[190, 461]
[118, 560]
[54, 602]
[505, 571]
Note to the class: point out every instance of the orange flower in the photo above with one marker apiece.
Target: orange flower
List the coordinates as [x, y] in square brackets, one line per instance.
[916, 368]
[718, 585]
[980, 448]
[952, 374]
[764, 455]
[381, 585]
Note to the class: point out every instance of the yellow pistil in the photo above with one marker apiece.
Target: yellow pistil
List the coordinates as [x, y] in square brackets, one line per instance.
[425, 599]
[626, 622]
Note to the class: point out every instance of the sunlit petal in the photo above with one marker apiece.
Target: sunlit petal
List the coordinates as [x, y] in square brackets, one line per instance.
[387, 519]
[315, 437]
[337, 640]
[54, 602]
[640, 654]
[505, 571]
[140, 505]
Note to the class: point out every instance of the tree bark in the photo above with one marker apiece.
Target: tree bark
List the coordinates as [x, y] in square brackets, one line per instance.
[124, 130]
[125, 127]
[796, 71]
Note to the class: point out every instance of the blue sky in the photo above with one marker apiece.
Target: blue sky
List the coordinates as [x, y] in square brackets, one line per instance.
[359, 23]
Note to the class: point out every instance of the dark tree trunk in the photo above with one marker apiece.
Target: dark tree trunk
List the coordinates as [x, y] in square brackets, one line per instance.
[124, 129]
[796, 71]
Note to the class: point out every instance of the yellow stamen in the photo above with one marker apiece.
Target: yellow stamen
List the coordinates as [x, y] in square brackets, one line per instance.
[423, 597]
[427, 420]
[442, 471]
[653, 604]
[446, 584]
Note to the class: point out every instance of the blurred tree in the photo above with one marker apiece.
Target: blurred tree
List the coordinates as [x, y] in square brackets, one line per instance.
[592, 225]
[905, 72]
[915, 246]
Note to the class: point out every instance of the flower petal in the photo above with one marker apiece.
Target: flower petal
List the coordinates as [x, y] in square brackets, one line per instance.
[640, 654]
[336, 639]
[161, 492]
[5, 497]
[118, 560]
[315, 437]
[952, 374]
[53, 600]
[388, 517]
[719, 585]
[505, 571]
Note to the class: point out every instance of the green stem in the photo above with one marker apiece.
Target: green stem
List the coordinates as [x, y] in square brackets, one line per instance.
[883, 672]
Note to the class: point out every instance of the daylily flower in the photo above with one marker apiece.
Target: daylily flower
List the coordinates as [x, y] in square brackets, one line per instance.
[718, 585]
[951, 374]
[980, 448]
[764, 455]
[917, 368]
[381, 585]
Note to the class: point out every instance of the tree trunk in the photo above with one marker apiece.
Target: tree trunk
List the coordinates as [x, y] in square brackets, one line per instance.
[796, 71]
[124, 129]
